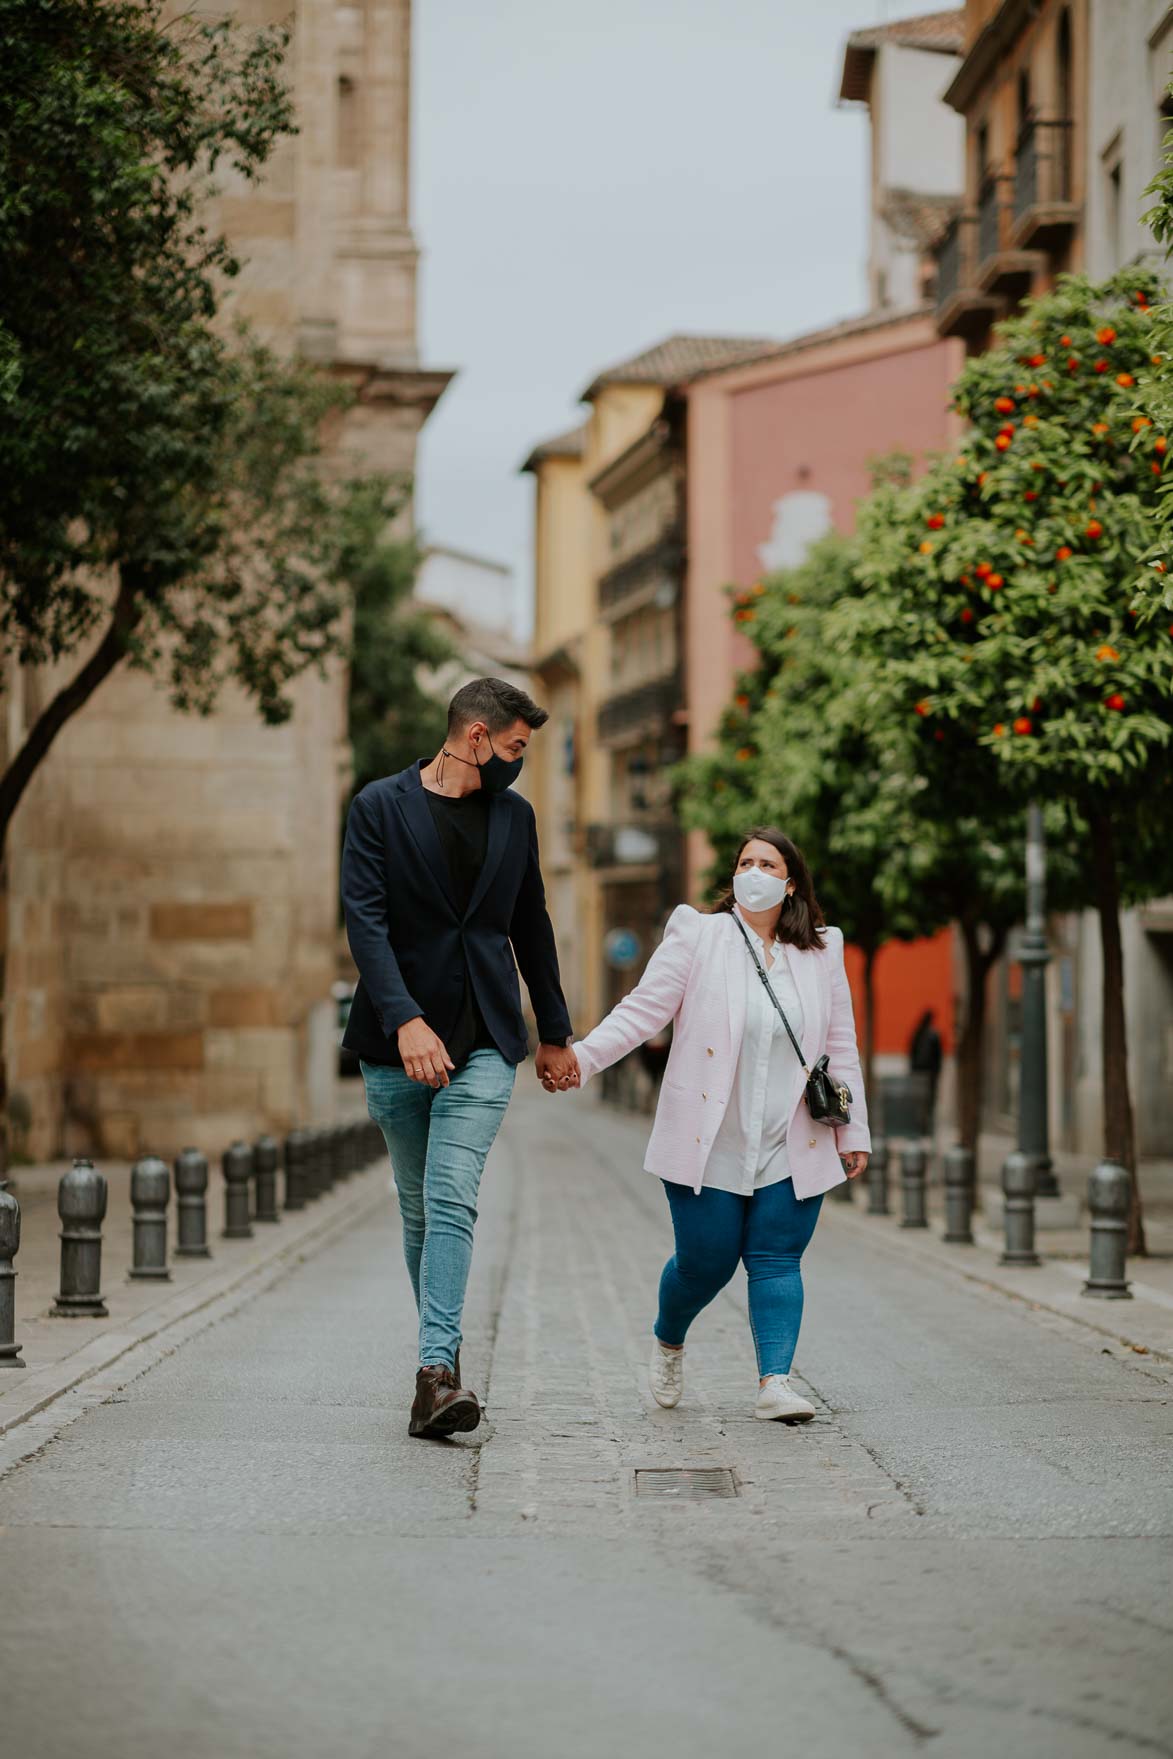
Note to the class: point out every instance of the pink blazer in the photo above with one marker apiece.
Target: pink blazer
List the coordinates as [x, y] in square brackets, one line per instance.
[699, 978]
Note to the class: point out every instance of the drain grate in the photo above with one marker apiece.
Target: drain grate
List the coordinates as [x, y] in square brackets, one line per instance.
[685, 1483]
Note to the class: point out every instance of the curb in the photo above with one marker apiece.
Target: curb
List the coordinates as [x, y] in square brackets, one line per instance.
[56, 1395]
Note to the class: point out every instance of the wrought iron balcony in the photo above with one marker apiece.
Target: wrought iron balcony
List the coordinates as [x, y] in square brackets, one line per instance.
[1001, 268]
[653, 574]
[1044, 214]
[962, 308]
[648, 709]
[657, 844]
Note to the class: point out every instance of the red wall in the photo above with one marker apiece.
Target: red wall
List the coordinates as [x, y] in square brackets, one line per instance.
[909, 977]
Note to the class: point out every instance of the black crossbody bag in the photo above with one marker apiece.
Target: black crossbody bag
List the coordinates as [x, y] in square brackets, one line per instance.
[828, 1101]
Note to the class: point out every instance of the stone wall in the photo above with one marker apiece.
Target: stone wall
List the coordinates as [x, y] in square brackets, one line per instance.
[170, 910]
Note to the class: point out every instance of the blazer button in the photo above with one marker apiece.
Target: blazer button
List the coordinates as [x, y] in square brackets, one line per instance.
[698, 1138]
[710, 1050]
[812, 1143]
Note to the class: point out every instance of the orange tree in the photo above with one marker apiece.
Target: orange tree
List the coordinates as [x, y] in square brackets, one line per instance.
[1002, 608]
[811, 744]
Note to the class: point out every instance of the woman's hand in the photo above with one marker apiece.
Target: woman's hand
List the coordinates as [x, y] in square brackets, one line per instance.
[557, 1068]
[854, 1164]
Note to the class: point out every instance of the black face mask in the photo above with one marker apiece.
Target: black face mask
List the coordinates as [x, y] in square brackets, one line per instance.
[496, 773]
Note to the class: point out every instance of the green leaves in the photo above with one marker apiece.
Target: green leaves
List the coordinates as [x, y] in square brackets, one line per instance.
[138, 438]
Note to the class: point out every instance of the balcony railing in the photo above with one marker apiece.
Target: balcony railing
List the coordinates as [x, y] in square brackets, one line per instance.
[1004, 265]
[962, 308]
[954, 259]
[991, 216]
[1042, 170]
[647, 708]
[1043, 208]
[635, 845]
[659, 565]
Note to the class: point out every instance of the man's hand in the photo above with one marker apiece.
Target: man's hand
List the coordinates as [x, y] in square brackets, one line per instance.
[558, 1069]
[424, 1056]
[855, 1163]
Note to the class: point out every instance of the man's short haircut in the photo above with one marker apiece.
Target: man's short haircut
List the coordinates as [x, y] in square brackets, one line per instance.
[497, 704]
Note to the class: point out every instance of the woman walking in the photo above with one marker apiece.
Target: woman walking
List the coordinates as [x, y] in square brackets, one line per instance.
[743, 1160]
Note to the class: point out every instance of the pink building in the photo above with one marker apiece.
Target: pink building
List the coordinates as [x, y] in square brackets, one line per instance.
[779, 452]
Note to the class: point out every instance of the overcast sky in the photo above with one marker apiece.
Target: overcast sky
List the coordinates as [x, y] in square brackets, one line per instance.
[592, 176]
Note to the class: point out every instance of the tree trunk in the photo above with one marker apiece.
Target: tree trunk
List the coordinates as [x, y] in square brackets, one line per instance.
[110, 650]
[1119, 1134]
[126, 612]
[971, 1043]
[869, 950]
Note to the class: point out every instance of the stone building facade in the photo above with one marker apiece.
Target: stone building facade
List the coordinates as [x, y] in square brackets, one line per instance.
[171, 903]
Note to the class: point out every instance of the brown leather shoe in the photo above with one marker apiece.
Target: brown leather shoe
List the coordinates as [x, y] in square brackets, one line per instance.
[442, 1406]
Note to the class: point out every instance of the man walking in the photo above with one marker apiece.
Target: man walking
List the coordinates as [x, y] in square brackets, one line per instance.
[440, 879]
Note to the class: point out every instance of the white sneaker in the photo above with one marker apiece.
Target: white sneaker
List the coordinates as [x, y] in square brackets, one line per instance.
[778, 1402]
[666, 1374]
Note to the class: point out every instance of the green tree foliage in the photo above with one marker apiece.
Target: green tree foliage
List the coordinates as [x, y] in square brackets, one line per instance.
[392, 717]
[1003, 608]
[160, 496]
[820, 743]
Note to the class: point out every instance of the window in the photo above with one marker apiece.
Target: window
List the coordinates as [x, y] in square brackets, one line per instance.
[347, 143]
[1114, 213]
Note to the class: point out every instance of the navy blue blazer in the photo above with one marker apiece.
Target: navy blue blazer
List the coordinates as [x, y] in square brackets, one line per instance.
[411, 945]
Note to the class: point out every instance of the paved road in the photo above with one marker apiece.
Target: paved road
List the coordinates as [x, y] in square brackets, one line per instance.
[245, 1555]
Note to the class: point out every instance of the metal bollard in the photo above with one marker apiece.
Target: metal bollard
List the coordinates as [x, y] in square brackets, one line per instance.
[310, 1155]
[842, 1193]
[81, 1204]
[878, 1179]
[1109, 1194]
[150, 1192]
[9, 1247]
[913, 1169]
[295, 1149]
[1018, 1210]
[266, 1158]
[191, 1202]
[959, 1166]
[329, 1152]
[237, 1162]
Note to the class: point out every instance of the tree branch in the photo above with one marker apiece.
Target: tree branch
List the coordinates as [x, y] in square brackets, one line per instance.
[126, 613]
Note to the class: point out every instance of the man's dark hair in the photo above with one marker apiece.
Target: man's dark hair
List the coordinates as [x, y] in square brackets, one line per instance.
[497, 704]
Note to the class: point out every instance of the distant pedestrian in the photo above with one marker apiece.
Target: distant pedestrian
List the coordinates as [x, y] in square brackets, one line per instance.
[743, 1163]
[924, 1057]
[442, 890]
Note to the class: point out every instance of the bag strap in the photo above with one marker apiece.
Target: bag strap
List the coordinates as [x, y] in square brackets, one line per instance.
[769, 989]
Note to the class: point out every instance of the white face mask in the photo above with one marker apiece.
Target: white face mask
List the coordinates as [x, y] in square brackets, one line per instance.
[755, 890]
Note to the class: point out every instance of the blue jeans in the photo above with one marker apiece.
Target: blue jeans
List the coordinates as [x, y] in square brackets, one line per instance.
[717, 1230]
[438, 1140]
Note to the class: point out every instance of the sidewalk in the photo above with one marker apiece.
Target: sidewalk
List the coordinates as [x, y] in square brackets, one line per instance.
[1142, 1326]
[61, 1353]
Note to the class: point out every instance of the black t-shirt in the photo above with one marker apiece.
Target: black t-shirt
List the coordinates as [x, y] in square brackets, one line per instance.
[462, 825]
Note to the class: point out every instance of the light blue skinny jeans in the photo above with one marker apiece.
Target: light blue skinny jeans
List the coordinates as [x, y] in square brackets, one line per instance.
[715, 1231]
[438, 1140]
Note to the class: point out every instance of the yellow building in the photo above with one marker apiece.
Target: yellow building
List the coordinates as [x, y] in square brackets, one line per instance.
[608, 586]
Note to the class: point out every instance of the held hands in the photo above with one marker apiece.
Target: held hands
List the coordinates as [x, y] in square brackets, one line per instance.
[424, 1056]
[855, 1163]
[558, 1069]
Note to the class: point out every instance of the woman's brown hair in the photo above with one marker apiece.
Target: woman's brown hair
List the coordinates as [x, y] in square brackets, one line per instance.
[801, 918]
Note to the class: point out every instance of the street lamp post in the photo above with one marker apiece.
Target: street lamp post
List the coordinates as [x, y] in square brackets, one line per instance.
[1035, 957]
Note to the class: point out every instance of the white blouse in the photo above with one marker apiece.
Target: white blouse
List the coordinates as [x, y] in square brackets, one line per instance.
[749, 1150]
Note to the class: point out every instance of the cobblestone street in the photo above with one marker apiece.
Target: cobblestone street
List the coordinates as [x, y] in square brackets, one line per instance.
[243, 1553]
